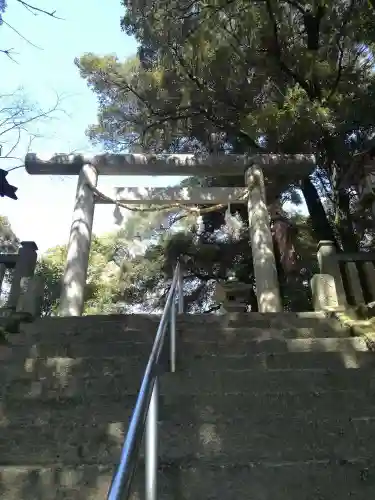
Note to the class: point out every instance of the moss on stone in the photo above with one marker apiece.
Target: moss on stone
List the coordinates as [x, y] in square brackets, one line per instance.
[360, 320]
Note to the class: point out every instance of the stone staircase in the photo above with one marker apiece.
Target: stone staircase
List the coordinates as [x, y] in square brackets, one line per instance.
[263, 407]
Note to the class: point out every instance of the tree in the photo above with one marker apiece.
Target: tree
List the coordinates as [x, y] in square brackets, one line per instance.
[208, 258]
[102, 280]
[285, 88]
[19, 118]
[9, 243]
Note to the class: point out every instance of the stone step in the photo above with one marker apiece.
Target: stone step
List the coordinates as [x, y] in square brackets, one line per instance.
[278, 440]
[197, 381]
[189, 332]
[77, 348]
[253, 333]
[210, 408]
[149, 323]
[278, 361]
[64, 369]
[283, 320]
[346, 480]
[201, 381]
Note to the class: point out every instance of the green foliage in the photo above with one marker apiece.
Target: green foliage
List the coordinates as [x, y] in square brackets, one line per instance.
[51, 268]
[206, 259]
[244, 77]
[102, 279]
[9, 242]
[284, 88]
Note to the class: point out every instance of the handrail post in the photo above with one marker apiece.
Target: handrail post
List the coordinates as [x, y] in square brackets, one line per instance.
[180, 289]
[151, 452]
[146, 410]
[173, 336]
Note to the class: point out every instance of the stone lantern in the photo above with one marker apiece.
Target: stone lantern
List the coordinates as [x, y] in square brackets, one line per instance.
[233, 294]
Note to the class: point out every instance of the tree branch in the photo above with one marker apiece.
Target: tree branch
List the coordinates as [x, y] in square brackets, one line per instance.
[278, 53]
[35, 10]
[21, 36]
[8, 53]
[341, 49]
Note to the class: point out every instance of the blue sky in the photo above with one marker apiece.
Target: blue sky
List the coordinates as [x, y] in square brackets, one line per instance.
[43, 210]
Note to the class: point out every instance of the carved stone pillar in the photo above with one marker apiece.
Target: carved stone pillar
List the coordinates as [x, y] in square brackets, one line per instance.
[328, 264]
[24, 268]
[3, 269]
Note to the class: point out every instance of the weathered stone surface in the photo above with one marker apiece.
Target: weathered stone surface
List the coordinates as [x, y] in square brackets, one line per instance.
[188, 408]
[31, 295]
[196, 333]
[266, 279]
[190, 480]
[369, 270]
[302, 439]
[230, 346]
[262, 407]
[328, 264]
[62, 370]
[324, 293]
[354, 282]
[255, 381]
[194, 382]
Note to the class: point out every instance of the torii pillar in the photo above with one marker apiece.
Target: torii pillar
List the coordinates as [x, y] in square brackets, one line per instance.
[75, 274]
[266, 278]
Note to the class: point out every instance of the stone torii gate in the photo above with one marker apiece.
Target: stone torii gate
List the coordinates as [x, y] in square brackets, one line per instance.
[258, 170]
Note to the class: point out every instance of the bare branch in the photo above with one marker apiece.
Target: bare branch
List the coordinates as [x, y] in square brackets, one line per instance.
[15, 120]
[8, 53]
[21, 36]
[8, 155]
[35, 10]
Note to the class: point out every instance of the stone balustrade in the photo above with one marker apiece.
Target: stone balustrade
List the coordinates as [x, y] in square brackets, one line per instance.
[345, 279]
[26, 289]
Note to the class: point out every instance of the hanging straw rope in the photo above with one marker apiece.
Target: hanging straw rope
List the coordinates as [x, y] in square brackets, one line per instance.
[194, 210]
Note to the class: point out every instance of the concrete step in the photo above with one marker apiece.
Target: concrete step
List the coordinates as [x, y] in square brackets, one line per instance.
[288, 360]
[200, 381]
[63, 369]
[146, 325]
[278, 440]
[346, 480]
[211, 408]
[188, 332]
[77, 348]
[190, 381]
[283, 320]
[253, 333]
[58, 482]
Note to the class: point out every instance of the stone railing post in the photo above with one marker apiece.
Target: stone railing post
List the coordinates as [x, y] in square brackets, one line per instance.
[3, 269]
[24, 268]
[74, 280]
[266, 279]
[31, 296]
[329, 265]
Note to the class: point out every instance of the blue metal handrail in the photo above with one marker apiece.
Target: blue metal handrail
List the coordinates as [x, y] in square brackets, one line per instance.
[145, 414]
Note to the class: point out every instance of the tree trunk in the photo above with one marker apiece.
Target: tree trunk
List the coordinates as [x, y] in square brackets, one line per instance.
[319, 221]
[345, 227]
